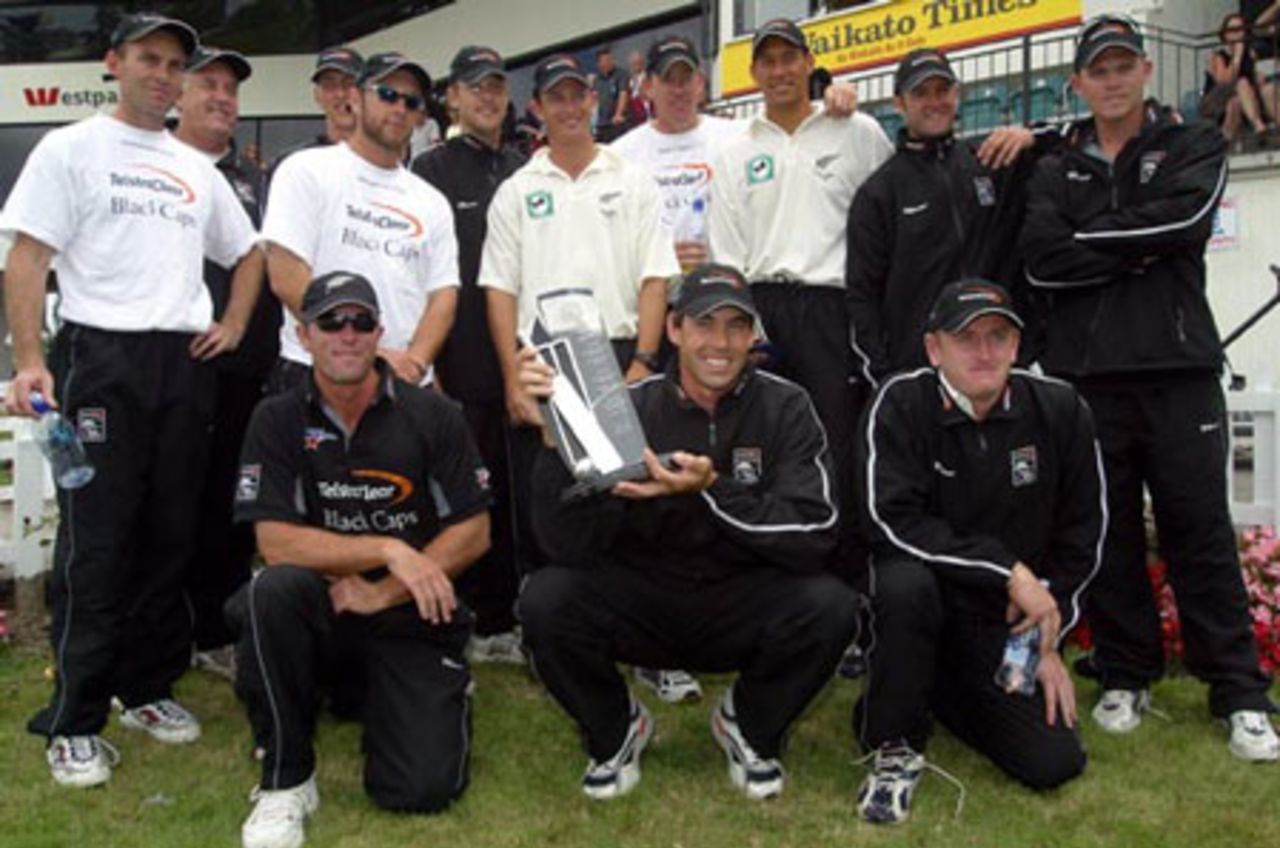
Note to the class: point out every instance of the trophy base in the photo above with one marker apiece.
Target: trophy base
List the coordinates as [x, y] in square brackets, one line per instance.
[599, 484]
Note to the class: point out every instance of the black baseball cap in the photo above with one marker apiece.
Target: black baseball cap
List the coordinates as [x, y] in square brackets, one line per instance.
[961, 302]
[341, 59]
[1105, 31]
[553, 69]
[666, 52]
[709, 287]
[783, 28]
[135, 27]
[474, 63]
[918, 66]
[205, 55]
[334, 289]
[379, 66]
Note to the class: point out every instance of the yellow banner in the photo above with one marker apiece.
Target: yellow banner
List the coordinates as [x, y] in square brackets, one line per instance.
[885, 33]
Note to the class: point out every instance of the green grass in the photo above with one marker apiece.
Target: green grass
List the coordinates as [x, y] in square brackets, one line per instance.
[1169, 784]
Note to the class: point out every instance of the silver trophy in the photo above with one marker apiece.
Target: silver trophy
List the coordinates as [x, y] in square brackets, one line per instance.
[592, 420]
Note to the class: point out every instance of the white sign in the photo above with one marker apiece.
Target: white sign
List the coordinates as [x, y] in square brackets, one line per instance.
[1226, 225]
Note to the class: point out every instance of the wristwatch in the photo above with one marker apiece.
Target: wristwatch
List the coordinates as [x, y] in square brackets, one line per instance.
[648, 360]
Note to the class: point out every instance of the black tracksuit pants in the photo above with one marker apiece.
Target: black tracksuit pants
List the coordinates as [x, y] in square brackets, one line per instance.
[120, 625]
[932, 657]
[489, 586]
[783, 632]
[224, 550]
[405, 679]
[808, 328]
[1171, 436]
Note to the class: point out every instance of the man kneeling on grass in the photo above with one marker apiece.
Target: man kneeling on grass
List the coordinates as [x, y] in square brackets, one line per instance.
[713, 564]
[984, 487]
[367, 498]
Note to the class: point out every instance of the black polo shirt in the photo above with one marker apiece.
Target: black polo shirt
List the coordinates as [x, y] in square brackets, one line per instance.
[468, 172]
[409, 470]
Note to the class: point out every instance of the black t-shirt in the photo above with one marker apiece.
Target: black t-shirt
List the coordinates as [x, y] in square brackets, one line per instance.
[468, 172]
[261, 342]
[409, 470]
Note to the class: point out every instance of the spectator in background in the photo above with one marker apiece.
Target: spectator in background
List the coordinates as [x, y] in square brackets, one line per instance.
[639, 108]
[612, 95]
[1233, 90]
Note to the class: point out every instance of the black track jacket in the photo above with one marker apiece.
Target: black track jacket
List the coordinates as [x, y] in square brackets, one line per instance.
[1119, 247]
[772, 505]
[971, 499]
[930, 215]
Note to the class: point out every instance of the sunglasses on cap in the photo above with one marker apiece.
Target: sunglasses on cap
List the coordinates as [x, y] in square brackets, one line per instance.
[333, 322]
[389, 96]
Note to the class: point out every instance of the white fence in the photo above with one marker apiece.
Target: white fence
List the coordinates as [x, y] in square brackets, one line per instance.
[28, 502]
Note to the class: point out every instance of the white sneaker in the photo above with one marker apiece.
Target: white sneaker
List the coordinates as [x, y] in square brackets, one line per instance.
[885, 795]
[278, 816]
[166, 720]
[498, 648]
[671, 685]
[220, 662]
[1120, 710]
[1252, 737]
[81, 761]
[619, 774]
[758, 777]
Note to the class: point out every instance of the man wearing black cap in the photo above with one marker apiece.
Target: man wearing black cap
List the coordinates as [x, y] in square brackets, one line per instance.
[938, 210]
[130, 213]
[354, 206]
[713, 564]
[332, 87]
[468, 169]
[208, 110]
[1115, 234]
[367, 498]
[779, 208]
[985, 492]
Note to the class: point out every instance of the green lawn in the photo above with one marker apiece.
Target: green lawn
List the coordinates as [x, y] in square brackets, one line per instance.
[1168, 784]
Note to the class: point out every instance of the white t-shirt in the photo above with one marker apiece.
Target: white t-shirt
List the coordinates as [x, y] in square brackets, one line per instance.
[780, 202]
[338, 212]
[681, 164]
[602, 232]
[132, 214]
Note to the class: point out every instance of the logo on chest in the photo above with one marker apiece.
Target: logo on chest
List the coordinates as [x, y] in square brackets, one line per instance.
[314, 437]
[1024, 468]
[760, 169]
[748, 465]
[1149, 164]
[540, 204]
[985, 190]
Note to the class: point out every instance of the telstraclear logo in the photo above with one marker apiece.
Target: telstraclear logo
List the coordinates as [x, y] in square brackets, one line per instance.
[390, 218]
[162, 182]
[54, 96]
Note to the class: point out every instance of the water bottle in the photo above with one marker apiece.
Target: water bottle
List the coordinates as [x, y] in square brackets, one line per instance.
[693, 227]
[60, 444]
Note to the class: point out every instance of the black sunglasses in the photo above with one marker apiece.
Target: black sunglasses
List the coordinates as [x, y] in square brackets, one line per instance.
[389, 96]
[361, 322]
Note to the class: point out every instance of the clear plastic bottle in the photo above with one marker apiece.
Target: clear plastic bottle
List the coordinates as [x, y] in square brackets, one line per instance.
[693, 228]
[61, 445]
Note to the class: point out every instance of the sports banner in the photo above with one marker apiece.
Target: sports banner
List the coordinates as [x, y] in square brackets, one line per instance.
[884, 33]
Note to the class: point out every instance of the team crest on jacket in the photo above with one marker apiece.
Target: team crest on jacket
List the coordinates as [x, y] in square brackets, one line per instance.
[540, 204]
[748, 465]
[985, 189]
[1023, 467]
[1149, 164]
[314, 437]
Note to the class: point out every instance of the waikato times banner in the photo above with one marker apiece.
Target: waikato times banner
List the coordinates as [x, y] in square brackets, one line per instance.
[884, 33]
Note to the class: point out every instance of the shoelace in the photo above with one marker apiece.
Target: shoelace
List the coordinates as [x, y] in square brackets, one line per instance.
[171, 712]
[84, 748]
[896, 758]
[1142, 703]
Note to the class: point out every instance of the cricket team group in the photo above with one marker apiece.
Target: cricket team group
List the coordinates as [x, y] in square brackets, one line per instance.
[907, 393]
